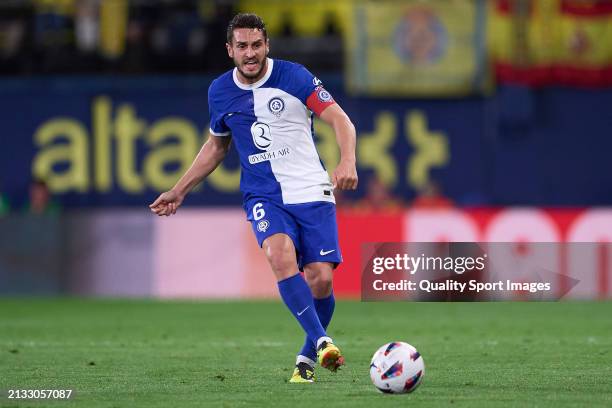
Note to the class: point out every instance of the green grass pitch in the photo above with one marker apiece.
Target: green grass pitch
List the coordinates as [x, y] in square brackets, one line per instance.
[117, 353]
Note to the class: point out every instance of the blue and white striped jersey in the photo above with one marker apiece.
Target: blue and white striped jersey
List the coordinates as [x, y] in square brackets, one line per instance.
[271, 123]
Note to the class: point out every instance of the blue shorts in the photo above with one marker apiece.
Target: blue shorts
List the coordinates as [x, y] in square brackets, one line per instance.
[311, 226]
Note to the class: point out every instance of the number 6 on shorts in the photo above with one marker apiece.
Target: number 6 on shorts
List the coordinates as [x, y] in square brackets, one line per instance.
[258, 212]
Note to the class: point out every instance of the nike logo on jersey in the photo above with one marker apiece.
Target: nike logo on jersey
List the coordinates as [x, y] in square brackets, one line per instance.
[302, 312]
[323, 253]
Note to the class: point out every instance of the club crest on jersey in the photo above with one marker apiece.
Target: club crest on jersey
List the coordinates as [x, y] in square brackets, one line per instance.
[323, 95]
[276, 106]
[261, 135]
[263, 225]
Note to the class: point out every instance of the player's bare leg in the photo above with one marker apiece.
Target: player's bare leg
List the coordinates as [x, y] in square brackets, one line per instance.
[319, 276]
[280, 252]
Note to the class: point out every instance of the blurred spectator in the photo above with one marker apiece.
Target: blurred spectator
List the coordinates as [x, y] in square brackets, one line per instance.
[153, 36]
[179, 38]
[215, 53]
[14, 31]
[378, 197]
[40, 202]
[320, 52]
[87, 25]
[286, 29]
[87, 38]
[53, 35]
[137, 57]
[431, 197]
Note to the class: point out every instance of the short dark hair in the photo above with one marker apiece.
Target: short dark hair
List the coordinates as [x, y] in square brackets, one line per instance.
[245, 20]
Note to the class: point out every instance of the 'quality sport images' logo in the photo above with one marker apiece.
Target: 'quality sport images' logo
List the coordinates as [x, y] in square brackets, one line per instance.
[463, 270]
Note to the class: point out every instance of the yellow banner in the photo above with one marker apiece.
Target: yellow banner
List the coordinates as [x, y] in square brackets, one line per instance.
[306, 17]
[416, 48]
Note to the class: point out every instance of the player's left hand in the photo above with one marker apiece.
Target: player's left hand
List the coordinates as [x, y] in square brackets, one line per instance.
[345, 175]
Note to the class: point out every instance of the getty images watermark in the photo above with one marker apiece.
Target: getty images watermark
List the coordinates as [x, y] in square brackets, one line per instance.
[466, 271]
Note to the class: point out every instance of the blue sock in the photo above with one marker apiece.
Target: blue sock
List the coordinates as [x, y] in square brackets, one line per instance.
[297, 296]
[325, 310]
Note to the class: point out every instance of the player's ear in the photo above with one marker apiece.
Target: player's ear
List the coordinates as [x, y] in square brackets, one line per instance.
[230, 50]
[267, 46]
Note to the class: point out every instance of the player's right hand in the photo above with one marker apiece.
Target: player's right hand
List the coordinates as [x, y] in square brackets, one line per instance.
[167, 203]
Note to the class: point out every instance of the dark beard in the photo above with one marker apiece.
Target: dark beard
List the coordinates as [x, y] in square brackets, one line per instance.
[254, 75]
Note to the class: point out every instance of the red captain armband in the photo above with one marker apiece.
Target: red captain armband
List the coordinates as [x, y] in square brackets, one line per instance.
[319, 99]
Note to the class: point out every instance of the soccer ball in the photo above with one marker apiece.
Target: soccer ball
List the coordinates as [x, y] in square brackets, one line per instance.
[397, 368]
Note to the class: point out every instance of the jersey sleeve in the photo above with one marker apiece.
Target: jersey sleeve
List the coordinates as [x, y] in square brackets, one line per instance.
[311, 91]
[218, 127]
